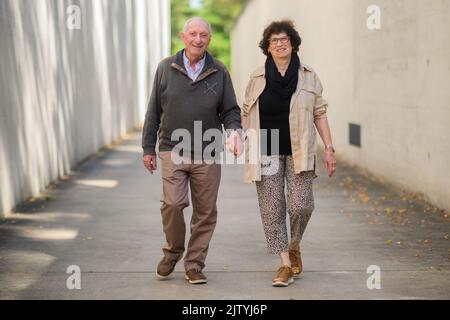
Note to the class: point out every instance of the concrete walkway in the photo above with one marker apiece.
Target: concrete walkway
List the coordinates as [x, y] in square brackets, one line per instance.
[105, 219]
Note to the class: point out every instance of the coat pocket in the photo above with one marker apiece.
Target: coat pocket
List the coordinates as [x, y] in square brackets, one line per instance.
[307, 98]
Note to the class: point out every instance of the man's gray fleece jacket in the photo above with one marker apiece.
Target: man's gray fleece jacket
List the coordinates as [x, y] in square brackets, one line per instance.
[177, 102]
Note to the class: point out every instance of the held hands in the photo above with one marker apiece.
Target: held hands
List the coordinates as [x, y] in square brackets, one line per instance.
[150, 162]
[234, 144]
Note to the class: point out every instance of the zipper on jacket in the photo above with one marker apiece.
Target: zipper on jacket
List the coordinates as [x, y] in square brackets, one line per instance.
[203, 76]
[176, 66]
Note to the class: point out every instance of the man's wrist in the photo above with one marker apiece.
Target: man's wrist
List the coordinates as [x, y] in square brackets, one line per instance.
[149, 151]
[239, 131]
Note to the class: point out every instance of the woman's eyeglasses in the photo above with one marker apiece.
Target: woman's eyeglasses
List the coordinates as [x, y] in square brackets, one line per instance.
[274, 41]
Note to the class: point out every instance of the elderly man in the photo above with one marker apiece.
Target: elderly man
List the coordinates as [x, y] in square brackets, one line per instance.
[190, 88]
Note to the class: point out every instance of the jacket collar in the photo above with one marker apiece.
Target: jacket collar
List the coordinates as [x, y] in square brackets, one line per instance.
[209, 61]
[209, 68]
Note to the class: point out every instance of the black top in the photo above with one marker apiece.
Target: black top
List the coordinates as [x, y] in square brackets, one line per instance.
[274, 106]
[274, 114]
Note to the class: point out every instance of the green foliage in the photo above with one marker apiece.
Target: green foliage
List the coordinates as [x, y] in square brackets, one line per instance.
[221, 14]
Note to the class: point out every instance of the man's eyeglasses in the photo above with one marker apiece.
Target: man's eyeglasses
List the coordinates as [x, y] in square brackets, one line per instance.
[274, 41]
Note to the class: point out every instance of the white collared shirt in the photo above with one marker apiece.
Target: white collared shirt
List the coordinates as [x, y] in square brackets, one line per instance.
[193, 73]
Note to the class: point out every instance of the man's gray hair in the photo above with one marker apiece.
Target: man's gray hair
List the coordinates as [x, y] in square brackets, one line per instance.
[186, 25]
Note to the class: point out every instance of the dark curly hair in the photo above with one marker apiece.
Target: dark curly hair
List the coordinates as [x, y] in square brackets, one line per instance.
[277, 27]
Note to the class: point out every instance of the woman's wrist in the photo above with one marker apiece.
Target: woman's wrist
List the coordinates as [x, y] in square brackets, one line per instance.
[329, 148]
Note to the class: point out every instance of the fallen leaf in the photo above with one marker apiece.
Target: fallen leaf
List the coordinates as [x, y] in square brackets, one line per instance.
[389, 242]
[426, 241]
[363, 197]
[446, 237]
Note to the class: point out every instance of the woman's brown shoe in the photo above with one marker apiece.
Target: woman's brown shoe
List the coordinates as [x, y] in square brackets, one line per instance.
[283, 278]
[296, 262]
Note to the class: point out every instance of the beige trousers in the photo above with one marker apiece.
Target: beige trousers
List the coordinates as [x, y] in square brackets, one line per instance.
[203, 180]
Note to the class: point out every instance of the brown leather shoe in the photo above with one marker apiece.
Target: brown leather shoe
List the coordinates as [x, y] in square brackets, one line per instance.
[195, 277]
[296, 262]
[165, 268]
[284, 277]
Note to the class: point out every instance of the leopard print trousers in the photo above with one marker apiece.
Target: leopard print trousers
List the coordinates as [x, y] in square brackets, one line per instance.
[275, 171]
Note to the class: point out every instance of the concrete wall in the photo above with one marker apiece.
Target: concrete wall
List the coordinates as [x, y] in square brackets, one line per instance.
[393, 82]
[66, 93]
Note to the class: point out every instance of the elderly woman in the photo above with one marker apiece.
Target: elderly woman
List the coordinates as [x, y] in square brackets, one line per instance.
[283, 106]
